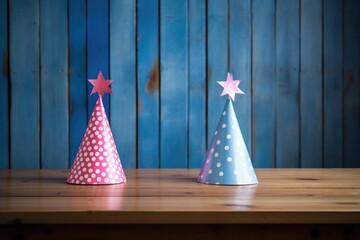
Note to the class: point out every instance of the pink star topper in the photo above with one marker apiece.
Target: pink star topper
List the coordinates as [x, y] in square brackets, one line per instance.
[230, 87]
[100, 85]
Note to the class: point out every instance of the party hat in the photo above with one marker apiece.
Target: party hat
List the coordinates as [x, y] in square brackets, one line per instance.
[227, 160]
[97, 160]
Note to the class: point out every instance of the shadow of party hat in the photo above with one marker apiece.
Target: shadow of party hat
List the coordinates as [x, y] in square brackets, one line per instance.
[97, 160]
[227, 160]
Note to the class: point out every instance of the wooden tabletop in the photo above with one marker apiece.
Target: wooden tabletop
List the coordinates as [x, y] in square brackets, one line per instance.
[173, 196]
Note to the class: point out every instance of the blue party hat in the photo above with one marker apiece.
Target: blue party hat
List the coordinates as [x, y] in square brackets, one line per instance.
[227, 160]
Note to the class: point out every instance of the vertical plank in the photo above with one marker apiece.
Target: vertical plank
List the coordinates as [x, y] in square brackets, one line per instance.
[333, 83]
[24, 65]
[174, 84]
[311, 83]
[197, 81]
[352, 84]
[77, 74]
[97, 48]
[263, 83]
[4, 90]
[240, 62]
[54, 84]
[148, 83]
[217, 61]
[123, 72]
[287, 84]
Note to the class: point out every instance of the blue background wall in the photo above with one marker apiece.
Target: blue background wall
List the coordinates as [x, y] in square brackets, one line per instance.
[298, 62]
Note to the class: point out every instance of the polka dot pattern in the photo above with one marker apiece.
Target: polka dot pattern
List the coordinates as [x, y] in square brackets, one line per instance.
[97, 160]
[227, 162]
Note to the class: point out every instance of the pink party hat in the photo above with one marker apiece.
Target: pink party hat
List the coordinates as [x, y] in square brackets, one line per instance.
[97, 160]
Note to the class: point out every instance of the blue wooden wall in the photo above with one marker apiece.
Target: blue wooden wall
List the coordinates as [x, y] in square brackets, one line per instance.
[299, 62]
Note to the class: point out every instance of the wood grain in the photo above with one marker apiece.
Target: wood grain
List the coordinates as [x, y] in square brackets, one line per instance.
[148, 78]
[25, 82]
[173, 196]
[123, 73]
[54, 84]
[4, 90]
[77, 75]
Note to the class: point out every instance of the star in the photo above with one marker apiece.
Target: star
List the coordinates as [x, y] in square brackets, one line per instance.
[230, 87]
[100, 85]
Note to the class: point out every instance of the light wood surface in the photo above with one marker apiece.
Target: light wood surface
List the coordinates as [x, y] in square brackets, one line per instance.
[173, 196]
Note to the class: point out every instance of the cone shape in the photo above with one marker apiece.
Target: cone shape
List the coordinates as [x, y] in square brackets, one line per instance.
[97, 160]
[227, 161]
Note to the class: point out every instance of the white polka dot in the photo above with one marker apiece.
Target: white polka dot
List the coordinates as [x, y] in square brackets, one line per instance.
[226, 148]
[96, 123]
[81, 178]
[94, 128]
[106, 180]
[101, 158]
[97, 164]
[89, 179]
[216, 154]
[215, 132]
[89, 164]
[93, 141]
[228, 136]
[97, 114]
[86, 176]
[229, 159]
[98, 108]
[236, 171]
[90, 170]
[233, 126]
[224, 113]
[217, 183]
[218, 164]
[104, 164]
[98, 179]
[207, 160]
[218, 142]
[221, 174]
[212, 150]
[223, 126]
[93, 175]
[84, 169]
[210, 171]
[103, 174]
[97, 171]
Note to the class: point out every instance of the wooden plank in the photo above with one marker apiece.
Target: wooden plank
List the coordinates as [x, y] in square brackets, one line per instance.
[77, 74]
[123, 72]
[351, 84]
[148, 83]
[171, 196]
[174, 84]
[311, 84]
[54, 84]
[333, 83]
[4, 90]
[24, 65]
[263, 83]
[197, 82]
[287, 84]
[240, 62]
[97, 48]
[217, 61]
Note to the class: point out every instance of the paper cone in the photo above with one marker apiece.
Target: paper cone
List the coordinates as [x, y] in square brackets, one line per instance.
[227, 161]
[97, 160]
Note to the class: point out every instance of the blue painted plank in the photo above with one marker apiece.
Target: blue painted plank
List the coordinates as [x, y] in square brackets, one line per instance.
[217, 61]
[263, 83]
[148, 83]
[54, 84]
[97, 48]
[311, 84]
[77, 74]
[287, 84]
[333, 83]
[123, 73]
[174, 84]
[240, 62]
[197, 81]
[351, 84]
[4, 90]
[24, 65]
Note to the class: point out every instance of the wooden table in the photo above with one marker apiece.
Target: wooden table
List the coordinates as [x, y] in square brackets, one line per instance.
[298, 198]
